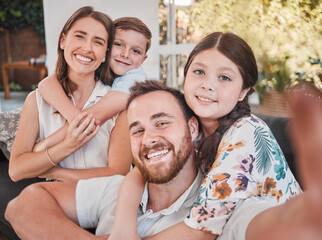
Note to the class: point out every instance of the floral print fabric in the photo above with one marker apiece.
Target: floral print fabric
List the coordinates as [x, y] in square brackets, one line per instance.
[249, 162]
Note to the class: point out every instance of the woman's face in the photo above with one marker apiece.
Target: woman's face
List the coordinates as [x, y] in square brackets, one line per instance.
[84, 47]
[213, 85]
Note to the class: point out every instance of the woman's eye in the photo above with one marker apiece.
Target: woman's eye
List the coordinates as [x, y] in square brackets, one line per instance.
[224, 78]
[199, 72]
[79, 36]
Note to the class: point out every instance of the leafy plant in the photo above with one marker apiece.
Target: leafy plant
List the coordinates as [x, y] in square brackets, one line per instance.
[17, 14]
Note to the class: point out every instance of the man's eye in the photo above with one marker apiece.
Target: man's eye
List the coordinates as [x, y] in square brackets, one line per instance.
[137, 132]
[224, 78]
[99, 43]
[199, 72]
[117, 44]
[162, 124]
[79, 36]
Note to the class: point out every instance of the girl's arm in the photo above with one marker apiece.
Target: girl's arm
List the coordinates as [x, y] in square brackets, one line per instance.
[182, 231]
[119, 157]
[132, 185]
[111, 104]
[27, 164]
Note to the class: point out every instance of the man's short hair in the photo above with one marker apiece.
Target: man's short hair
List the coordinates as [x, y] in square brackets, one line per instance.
[148, 86]
[135, 24]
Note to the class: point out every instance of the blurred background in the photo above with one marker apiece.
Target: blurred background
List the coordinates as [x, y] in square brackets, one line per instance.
[285, 35]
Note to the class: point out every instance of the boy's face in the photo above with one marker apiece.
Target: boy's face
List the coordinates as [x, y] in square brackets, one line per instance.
[128, 51]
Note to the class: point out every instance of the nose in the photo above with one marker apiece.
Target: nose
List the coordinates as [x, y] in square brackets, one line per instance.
[87, 46]
[208, 84]
[150, 138]
[125, 53]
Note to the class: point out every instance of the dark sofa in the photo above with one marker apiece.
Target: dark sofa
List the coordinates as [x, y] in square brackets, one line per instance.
[9, 189]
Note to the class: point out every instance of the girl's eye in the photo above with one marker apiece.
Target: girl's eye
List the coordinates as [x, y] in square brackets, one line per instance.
[224, 78]
[199, 72]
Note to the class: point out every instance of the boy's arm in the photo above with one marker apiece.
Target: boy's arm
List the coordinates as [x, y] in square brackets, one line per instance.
[132, 185]
[111, 104]
[51, 90]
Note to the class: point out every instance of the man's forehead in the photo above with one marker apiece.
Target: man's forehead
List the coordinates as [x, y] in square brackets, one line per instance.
[155, 102]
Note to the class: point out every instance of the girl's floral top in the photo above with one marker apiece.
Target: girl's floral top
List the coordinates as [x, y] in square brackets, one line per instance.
[249, 162]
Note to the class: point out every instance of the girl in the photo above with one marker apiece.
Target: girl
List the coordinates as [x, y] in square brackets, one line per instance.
[236, 150]
[87, 150]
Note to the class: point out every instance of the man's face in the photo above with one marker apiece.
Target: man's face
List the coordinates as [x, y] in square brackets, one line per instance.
[160, 137]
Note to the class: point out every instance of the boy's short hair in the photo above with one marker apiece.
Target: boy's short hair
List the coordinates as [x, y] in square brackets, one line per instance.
[135, 24]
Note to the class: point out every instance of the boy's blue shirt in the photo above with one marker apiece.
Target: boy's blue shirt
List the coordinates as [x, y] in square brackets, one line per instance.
[126, 81]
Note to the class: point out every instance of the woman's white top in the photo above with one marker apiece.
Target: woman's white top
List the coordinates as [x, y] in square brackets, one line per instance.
[94, 153]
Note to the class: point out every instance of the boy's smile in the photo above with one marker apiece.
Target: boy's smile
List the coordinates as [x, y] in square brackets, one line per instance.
[128, 51]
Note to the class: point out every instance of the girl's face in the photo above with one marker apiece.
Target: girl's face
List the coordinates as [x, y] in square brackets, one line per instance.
[213, 85]
[84, 46]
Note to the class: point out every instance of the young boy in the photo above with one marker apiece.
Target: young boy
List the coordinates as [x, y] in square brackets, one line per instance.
[131, 43]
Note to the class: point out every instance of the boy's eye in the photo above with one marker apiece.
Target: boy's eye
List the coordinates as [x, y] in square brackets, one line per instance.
[136, 51]
[199, 72]
[224, 78]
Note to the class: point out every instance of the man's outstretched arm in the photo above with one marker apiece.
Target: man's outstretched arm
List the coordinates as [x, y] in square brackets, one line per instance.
[46, 211]
[300, 217]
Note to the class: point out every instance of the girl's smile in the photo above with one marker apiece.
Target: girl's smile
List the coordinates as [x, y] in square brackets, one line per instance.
[213, 85]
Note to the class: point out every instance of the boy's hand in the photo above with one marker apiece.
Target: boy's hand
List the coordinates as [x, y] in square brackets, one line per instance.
[80, 131]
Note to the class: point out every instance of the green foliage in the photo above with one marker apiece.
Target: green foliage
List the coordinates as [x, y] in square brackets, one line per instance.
[282, 33]
[14, 86]
[17, 14]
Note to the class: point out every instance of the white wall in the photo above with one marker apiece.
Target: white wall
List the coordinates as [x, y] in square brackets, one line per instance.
[57, 12]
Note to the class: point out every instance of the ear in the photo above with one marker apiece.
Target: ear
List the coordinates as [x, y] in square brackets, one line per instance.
[144, 58]
[243, 94]
[193, 127]
[62, 41]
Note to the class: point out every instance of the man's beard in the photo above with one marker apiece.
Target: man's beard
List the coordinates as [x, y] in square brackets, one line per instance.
[165, 173]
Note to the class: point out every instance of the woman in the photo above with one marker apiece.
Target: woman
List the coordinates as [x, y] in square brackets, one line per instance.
[88, 150]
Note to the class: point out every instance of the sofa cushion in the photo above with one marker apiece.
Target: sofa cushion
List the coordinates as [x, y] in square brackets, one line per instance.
[8, 127]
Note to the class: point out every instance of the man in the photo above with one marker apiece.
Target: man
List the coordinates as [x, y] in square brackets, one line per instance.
[162, 129]
[47, 206]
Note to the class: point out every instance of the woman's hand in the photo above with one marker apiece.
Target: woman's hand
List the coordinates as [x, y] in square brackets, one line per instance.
[80, 131]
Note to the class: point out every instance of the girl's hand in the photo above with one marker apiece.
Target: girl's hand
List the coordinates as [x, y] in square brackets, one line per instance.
[80, 131]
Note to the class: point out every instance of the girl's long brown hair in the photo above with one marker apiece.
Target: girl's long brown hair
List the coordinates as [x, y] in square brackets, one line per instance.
[238, 51]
